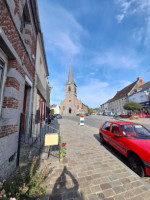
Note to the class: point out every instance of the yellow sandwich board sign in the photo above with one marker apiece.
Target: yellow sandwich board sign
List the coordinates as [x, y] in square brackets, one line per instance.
[51, 139]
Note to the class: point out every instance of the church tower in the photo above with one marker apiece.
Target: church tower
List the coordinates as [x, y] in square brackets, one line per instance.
[71, 93]
[71, 105]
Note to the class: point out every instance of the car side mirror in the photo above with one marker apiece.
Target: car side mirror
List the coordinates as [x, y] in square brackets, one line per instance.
[118, 135]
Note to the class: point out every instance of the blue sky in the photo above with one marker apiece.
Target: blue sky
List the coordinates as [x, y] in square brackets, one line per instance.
[106, 42]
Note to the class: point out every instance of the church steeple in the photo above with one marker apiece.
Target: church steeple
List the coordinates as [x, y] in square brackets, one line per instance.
[70, 77]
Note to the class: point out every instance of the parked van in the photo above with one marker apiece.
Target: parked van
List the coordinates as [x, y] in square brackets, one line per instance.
[108, 113]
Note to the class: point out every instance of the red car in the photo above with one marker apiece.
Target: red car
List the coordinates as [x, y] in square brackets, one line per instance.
[130, 139]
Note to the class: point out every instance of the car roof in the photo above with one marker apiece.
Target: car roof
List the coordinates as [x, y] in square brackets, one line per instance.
[122, 122]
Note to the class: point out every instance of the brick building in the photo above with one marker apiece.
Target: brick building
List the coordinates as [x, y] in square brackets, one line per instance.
[18, 36]
[71, 105]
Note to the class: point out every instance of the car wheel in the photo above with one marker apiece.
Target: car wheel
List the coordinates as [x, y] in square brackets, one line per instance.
[102, 141]
[136, 165]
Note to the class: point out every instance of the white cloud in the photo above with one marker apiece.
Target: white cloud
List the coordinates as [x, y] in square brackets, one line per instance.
[93, 93]
[124, 6]
[120, 18]
[123, 83]
[131, 7]
[135, 8]
[96, 92]
[116, 59]
[79, 77]
[138, 34]
[92, 73]
[62, 32]
[147, 33]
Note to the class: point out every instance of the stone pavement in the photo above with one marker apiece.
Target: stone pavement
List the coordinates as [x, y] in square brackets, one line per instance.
[90, 172]
[140, 120]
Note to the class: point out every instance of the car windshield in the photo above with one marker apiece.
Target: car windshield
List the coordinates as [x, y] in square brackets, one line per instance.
[136, 131]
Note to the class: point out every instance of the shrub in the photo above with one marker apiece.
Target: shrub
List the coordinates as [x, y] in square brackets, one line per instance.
[132, 106]
[134, 117]
[27, 185]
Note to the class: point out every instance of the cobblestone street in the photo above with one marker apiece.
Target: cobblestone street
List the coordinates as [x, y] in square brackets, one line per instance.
[90, 171]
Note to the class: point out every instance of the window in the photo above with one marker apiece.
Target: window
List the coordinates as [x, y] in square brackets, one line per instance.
[40, 109]
[22, 26]
[115, 128]
[25, 17]
[63, 107]
[78, 107]
[2, 64]
[3, 69]
[107, 126]
[69, 89]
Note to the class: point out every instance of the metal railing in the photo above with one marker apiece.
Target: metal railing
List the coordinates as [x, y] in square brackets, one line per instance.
[32, 133]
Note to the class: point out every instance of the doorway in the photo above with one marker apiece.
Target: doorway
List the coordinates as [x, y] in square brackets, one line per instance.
[26, 109]
[69, 110]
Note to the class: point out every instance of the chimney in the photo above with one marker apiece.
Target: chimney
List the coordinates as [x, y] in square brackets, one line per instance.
[139, 78]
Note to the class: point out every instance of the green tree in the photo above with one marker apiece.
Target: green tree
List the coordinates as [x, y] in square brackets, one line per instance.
[90, 110]
[132, 106]
[52, 111]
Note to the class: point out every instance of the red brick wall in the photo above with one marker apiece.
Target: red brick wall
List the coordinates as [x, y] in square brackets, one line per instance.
[14, 37]
[14, 64]
[8, 130]
[10, 102]
[12, 82]
[16, 11]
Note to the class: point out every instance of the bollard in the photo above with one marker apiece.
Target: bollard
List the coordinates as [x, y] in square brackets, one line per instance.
[81, 120]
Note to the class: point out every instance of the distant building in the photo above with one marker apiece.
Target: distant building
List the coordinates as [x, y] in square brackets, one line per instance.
[142, 96]
[117, 102]
[105, 106]
[56, 108]
[71, 105]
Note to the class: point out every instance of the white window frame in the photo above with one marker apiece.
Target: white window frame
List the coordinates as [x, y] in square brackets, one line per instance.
[3, 58]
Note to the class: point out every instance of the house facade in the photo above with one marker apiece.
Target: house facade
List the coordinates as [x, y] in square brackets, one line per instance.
[142, 96]
[18, 40]
[71, 105]
[41, 84]
[105, 106]
[117, 102]
[56, 108]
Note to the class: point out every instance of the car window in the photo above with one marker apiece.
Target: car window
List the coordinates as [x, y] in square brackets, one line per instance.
[115, 128]
[107, 126]
[135, 131]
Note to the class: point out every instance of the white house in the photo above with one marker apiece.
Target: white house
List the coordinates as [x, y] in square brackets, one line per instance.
[117, 102]
[142, 96]
[56, 108]
[105, 106]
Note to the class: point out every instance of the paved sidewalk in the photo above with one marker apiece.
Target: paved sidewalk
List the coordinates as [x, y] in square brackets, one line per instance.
[140, 120]
[89, 171]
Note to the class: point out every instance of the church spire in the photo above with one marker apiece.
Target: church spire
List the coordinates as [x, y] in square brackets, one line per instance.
[70, 77]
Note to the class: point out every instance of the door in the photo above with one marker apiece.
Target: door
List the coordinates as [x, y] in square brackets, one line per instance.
[117, 139]
[69, 110]
[106, 131]
[24, 111]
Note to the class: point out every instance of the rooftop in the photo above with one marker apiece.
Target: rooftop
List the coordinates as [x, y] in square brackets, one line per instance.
[122, 122]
